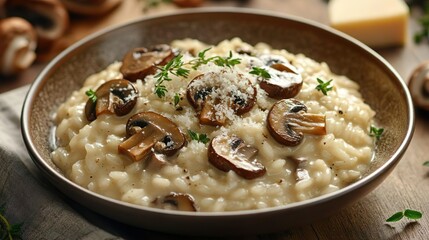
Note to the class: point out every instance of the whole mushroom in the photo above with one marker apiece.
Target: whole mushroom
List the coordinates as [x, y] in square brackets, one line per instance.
[148, 133]
[49, 18]
[419, 86]
[231, 153]
[288, 120]
[17, 45]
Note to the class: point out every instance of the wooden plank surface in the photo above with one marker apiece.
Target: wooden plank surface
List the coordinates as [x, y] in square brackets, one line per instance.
[406, 187]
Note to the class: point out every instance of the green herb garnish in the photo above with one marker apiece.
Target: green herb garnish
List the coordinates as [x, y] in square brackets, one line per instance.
[324, 87]
[260, 72]
[7, 230]
[408, 213]
[91, 94]
[376, 132]
[218, 60]
[426, 164]
[198, 137]
[176, 99]
[173, 67]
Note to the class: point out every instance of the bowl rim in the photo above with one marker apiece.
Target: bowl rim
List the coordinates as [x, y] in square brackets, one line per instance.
[48, 69]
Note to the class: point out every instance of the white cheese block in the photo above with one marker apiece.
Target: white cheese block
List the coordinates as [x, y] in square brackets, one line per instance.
[377, 23]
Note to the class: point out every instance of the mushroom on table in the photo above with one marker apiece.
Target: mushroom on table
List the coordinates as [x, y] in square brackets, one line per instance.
[419, 86]
[17, 45]
[288, 120]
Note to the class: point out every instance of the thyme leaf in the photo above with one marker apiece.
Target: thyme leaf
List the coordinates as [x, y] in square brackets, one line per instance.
[408, 213]
[376, 132]
[91, 95]
[260, 72]
[7, 230]
[324, 87]
[198, 137]
[174, 67]
[426, 164]
[176, 99]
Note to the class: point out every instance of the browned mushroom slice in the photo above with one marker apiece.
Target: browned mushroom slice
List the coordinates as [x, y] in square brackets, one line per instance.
[284, 81]
[419, 86]
[140, 62]
[49, 17]
[214, 94]
[288, 120]
[177, 201]
[116, 96]
[231, 153]
[17, 45]
[148, 133]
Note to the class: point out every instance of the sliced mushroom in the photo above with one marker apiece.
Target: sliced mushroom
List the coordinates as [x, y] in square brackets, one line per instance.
[49, 17]
[419, 86]
[231, 153]
[284, 82]
[288, 120]
[117, 96]
[177, 201]
[140, 62]
[215, 94]
[91, 7]
[17, 45]
[301, 172]
[149, 133]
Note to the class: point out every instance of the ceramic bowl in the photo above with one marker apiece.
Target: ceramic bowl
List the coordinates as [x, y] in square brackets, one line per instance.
[381, 87]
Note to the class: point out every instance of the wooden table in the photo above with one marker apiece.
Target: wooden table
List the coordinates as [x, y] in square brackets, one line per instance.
[406, 187]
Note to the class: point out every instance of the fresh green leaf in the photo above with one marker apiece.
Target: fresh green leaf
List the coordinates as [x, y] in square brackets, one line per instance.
[198, 137]
[412, 214]
[376, 132]
[324, 87]
[227, 62]
[260, 72]
[176, 99]
[395, 217]
[15, 230]
[174, 67]
[91, 95]
[7, 230]
[426, 164]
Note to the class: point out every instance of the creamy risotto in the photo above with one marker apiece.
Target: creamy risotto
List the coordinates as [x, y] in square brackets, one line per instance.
[229, 127]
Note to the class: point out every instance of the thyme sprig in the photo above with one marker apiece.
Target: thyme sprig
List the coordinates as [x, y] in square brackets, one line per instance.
[173, 67]
[7, 230]
[176, 67]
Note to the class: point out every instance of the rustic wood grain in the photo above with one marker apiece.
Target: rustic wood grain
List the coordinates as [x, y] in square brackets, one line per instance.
[406, 187]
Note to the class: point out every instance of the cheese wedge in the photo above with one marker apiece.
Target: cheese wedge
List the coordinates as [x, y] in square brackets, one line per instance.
[377, 23]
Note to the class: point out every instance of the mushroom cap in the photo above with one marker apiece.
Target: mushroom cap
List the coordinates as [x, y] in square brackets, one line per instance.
[140, 62]
[216, 94]
[49, 18]
[287, 120]
[231, 153]
[179, 201]
[17, 45]
[285, 81]
[91, 7]
[149, 130]
[118, 96]
[419, 86]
